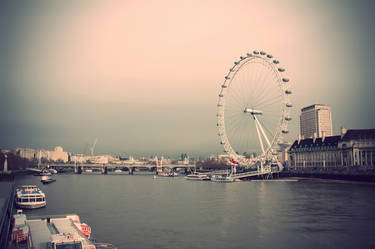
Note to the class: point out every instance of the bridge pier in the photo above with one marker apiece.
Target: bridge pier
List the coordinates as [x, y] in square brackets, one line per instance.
[131, 170]
[78, 170]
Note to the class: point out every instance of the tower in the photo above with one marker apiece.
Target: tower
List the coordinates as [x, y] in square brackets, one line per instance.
[316, 120]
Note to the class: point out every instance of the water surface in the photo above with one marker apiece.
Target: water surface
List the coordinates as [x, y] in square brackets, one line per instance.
[140, 212]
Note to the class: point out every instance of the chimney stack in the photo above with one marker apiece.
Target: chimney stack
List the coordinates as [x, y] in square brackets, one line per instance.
[343, 131]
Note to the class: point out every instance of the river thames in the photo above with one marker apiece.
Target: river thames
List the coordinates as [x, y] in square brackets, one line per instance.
[139, 212]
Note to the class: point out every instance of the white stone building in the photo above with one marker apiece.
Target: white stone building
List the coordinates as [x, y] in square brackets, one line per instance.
[56, 155]
[354, 148]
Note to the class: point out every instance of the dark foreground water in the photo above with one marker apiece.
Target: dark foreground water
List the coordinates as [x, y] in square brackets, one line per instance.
[141, 212]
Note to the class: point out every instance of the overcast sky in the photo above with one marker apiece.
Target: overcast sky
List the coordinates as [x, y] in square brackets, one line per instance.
[144, 76]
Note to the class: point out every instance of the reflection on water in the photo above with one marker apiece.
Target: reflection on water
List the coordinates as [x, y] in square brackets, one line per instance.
[141, 212]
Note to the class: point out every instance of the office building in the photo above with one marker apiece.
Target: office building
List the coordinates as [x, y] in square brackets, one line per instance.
[316, 121]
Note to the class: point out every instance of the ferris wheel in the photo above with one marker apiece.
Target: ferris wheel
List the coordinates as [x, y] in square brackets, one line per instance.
[253, 109]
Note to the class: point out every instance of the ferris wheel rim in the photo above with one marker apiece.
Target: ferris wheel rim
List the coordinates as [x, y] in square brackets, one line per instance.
[272, 64]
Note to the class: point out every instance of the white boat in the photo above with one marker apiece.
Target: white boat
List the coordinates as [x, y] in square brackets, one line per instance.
[47, 179]
[168, 174]
[117, 171]
[30, 197]
[53, 171]
[58, 232]
[197, 176]
[222, 178]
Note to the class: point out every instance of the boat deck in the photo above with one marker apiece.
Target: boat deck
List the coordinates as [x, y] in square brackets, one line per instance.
[42, 231]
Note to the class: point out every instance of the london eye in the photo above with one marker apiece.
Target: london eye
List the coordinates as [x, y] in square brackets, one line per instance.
[253, 109]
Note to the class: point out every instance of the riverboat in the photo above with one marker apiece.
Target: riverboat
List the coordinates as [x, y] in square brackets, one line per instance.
[57, 232]
[168, 174]
[30, 197]
[47, 179]
[197, 176]
[222, 178]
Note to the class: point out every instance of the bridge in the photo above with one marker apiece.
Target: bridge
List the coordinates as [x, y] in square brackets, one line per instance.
[105, 168]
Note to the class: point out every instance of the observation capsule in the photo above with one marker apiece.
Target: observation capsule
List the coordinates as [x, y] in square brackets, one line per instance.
[223, 86]
[288, 91]
[269, 56]
[288, 118]
[289, 105]
[227, 77]
[285, 80]
[275, 61]
[255, 52]
[221, 95]
[262, 52]
[281, 69]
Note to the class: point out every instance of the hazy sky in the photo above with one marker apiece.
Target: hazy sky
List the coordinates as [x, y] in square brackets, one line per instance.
[144, 76]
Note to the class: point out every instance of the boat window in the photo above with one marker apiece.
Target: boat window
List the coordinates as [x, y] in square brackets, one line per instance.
[74, 245]
[39, 199]
[32, 199]
[25, 200]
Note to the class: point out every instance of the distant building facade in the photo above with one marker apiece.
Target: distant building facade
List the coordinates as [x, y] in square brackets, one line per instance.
[353, 148]
[26, 153]
[56, 155]
[316, 121]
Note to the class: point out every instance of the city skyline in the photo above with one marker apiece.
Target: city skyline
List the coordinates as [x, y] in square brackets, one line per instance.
[144, 77]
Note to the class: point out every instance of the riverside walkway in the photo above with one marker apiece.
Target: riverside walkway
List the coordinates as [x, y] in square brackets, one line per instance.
[6, 207]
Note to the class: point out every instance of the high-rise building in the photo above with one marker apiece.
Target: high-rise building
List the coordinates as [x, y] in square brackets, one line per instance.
[316, 120]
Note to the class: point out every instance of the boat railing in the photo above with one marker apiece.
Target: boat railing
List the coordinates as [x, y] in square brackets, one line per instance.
[53, 216]
[104, 246]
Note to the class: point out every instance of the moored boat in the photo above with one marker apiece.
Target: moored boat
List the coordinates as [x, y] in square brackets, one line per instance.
[197, 176]
[57, 232]
[222, 178]
[30, 197]
[168, 174]
[47, 179]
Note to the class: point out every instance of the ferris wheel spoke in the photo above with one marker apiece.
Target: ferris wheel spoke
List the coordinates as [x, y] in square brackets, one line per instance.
[231, 126]
[236, 96]
[269, 102]
[268, 84]
[236, 135]
[267, 91]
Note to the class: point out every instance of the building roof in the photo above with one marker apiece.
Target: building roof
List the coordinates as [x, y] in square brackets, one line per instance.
[319, 142]
[312, 107]
[359, 134]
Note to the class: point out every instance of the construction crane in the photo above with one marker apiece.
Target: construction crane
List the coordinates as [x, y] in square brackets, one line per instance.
[93, 147]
